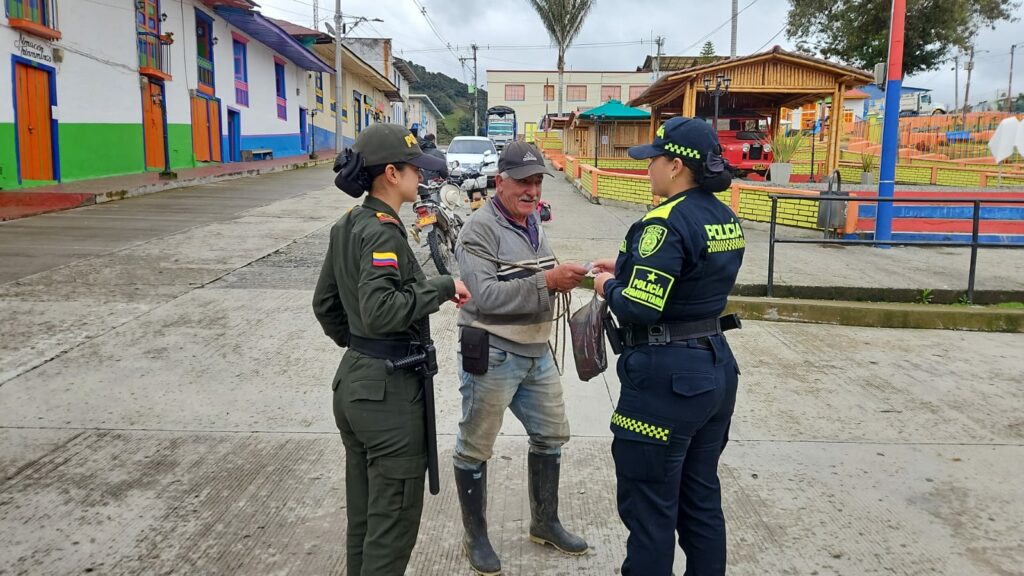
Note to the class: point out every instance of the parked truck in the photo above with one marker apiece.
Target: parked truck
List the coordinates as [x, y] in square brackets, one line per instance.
[501, 125]
[920, 104]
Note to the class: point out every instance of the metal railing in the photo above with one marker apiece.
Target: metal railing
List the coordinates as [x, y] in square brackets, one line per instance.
[154, 52]
[974, 244]
[205, 71]
[43, 12]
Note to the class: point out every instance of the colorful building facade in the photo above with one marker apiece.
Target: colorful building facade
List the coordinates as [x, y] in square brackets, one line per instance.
[101, 89]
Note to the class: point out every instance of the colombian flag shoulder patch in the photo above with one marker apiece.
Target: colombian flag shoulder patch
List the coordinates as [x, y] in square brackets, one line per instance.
[385, 259]
[387, 219]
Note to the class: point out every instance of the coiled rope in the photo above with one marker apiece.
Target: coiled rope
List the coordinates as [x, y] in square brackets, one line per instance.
[561, 308]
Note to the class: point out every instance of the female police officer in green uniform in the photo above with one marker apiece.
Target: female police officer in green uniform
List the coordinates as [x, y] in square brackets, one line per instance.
[369, 297]
[668, 287]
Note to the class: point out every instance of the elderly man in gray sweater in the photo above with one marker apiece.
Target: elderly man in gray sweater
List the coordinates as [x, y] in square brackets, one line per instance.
[505, 360]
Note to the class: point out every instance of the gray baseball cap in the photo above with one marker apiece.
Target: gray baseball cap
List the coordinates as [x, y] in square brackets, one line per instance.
[521, 160]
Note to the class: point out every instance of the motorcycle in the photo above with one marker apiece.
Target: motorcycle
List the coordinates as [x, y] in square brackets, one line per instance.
[436, 216]
[471, 180]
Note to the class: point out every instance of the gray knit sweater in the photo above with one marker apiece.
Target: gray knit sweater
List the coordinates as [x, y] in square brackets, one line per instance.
[512, 304]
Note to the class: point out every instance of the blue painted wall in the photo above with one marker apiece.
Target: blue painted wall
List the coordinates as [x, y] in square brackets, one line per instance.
[324, 139]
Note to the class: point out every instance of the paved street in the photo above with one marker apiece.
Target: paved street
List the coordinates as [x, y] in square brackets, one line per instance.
[165, 407]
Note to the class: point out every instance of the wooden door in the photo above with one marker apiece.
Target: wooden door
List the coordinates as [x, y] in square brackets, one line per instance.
[213, 110]
[200, 130]
[35, 134]
[153, 124]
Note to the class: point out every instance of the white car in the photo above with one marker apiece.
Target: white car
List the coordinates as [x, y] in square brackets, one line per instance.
[474, 153]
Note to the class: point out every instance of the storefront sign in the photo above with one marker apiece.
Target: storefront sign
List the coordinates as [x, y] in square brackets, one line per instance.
[35, 50]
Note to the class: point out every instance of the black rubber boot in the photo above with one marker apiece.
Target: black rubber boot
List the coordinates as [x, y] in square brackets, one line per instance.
[545, 528]
[472, 487]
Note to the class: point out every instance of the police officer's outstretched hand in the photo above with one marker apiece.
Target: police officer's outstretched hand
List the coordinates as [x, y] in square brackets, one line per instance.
[605, 265]
[462, 294]
[564, 277]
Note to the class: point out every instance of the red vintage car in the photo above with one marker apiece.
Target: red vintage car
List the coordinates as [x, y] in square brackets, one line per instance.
[744, 139]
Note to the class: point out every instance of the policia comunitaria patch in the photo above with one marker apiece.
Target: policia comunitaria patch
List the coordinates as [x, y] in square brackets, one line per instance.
[649, 287]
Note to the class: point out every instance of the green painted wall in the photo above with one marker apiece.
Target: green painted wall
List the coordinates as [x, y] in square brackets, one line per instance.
[180, 143]
[97, 150]
[8, 157]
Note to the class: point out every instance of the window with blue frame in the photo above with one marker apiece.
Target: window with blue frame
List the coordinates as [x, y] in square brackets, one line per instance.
[204, 52]
[241, 69]
[282, 96]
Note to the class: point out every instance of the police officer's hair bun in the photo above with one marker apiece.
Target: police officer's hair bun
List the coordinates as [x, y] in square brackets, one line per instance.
[352, 178]
[714, 174]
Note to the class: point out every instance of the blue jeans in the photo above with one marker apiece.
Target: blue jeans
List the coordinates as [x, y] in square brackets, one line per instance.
[531, 387]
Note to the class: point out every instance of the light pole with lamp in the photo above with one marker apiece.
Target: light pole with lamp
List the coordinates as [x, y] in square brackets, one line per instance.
[722, 83]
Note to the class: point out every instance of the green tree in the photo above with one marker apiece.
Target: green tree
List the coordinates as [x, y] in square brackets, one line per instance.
[707, 53]
[563, 20]
[857, 31]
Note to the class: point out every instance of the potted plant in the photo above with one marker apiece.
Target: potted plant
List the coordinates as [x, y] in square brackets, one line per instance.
[867, 169]
[784, 147]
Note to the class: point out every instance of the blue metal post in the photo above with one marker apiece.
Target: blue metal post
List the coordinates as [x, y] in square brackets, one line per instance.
[891, 122]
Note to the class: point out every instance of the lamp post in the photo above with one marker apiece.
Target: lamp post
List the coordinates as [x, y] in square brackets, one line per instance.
[721, 88]
[597, 135]
[312, 133]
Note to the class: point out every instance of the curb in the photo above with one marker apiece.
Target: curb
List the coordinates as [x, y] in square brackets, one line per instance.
[878, 315]
[874, 294]
[70, 200]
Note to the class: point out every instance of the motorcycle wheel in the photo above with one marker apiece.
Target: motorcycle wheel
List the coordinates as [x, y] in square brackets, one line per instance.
[440, 251]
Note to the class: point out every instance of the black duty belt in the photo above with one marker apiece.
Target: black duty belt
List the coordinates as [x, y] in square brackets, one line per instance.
[665, 332]
[383, 349]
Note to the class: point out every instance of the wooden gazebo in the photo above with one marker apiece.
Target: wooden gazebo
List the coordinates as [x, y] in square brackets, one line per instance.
[763, 83]
[606, 131]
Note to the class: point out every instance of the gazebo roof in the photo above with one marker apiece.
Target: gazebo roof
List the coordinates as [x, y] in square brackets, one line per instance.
[765, 80]
[615, 110]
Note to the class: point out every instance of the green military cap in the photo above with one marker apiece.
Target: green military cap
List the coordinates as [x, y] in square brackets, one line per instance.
[390, 143]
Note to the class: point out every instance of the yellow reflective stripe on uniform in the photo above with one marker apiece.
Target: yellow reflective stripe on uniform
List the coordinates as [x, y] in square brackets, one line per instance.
[642, 428]
[663, 210]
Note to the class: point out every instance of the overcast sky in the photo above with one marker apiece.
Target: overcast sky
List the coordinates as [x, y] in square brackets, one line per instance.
[683, 23]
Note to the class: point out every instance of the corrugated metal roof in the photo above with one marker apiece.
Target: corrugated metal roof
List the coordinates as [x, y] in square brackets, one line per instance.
[269, 33]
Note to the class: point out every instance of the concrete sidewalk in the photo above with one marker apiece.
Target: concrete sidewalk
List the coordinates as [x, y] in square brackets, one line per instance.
[24, 202]
[165, 408]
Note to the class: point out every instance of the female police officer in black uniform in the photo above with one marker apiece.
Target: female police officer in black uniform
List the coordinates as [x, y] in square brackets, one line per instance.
[369, 298]
[671, 279]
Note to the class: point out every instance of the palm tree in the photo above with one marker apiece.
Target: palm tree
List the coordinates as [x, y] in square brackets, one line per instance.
[563, 20]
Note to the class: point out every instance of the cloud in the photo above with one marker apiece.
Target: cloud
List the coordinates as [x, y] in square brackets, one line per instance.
[684, 24]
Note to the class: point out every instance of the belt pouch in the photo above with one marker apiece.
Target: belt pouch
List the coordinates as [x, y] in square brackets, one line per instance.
[475, 350]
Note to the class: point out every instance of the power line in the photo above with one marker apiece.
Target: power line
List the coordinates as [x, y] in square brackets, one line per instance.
[516, 47]
[781, 30]
[433, 28]
[724, 24]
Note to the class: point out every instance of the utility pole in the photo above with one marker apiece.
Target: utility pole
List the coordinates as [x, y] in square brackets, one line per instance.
[339, 88]
[735, 22]
[476, 96]
[1009, 88]
[967, 92]
[659, 42]
[476, 89]
[956, 82]
[316, 16]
